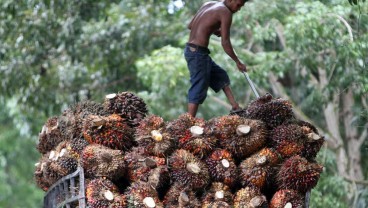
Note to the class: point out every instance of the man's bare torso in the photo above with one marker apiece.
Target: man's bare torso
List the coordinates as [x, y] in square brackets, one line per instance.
[206, 22]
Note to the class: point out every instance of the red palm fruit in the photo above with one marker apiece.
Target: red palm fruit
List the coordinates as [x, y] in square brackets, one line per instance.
[218, 192]
[76, 146]
[242, 137]
[255, 170]
[71, 120]
[40, 175]
[199, 146]
[101, 161]
[287, 198]
[216, 204]
[50, 136]
[179, 129]
[151, 134]
[288, 139]
[298, 174]
[188, 170]
[222, 168]
[250, 197]
[110, 131]
[272, 111]
[273, 158]
[142, 195]
[180, 196]
[102, 193]
[143, 167]
[46, 176]
[129, 106]
[314, 140]
[62, 161]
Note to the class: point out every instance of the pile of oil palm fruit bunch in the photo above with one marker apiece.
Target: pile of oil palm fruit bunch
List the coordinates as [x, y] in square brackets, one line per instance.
[260, 157]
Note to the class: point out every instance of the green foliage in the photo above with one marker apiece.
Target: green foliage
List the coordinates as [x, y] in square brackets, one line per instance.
[17, 156]
[331, 189]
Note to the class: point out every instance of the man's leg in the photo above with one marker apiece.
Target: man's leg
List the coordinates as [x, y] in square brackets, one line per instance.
[230, 97]
[192, 109]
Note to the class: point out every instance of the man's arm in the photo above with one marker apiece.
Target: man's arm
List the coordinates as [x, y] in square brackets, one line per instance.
[226, 20]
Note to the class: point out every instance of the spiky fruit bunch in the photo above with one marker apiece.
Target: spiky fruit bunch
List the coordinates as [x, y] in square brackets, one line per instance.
[242, 137]
[199, 146]
[50, 136]
[222, 168]
[287, 198]
[271, 156]
[216, 204]
[255, 170]
[288, 139]
[62, 161]
[298, 174]
[297, 138]
[179, 129]
[250, 197]
[188, 170]
[101, 161]
[218, 192]
[43, 176]
[76, 146]
[272, 111]
[102, 193]
[142, 166]
[71, 121]
[129, 106]
[151, 134]
[142, 195]
[110, 131]
[180, 196]
[314, 140]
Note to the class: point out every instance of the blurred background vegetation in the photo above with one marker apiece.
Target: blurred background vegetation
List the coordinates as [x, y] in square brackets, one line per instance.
[54, 53]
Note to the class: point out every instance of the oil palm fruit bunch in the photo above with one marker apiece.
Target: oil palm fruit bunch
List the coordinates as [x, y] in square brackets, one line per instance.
[255, 170]
[76, 146]
[110, 131]
[285, 198]
[181, 196]
[129, 106]
[42, 175]
[50, 136]
[142, 195]
[297, 138]
[242, 137]
[288, 140]
[250, 197]
[298, 174]
[143, 167]
[314, 140]
[179, 129]
[62, 161]
[72, 119]
[102, 193]
[186, 169]
[272, 111]
[151, 134]
[222, 168]
[101, 161]
[218, 192]
[199, 144]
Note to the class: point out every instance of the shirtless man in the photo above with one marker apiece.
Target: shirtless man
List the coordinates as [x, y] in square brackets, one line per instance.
[212, 18]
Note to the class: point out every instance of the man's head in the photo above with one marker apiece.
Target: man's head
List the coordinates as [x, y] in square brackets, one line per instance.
[235, 5]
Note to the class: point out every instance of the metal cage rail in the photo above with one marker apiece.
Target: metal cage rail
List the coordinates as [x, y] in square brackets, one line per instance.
[67, 192]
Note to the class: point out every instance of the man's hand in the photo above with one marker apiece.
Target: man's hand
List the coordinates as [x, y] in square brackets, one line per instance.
[241, 66]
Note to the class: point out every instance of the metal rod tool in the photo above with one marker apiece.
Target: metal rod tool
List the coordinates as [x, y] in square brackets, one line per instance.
[251, 84]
